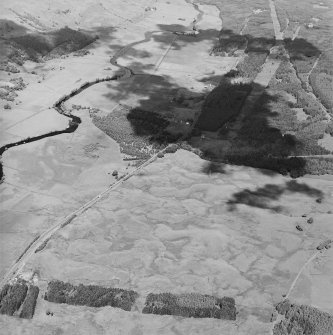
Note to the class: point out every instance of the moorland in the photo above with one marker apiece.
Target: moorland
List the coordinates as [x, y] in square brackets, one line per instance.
[166, 167]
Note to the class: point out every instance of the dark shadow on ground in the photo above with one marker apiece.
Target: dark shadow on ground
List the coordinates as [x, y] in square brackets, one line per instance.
[18, 44]
[23, 44]
[263, 197]
[9, 28]
[258, 142]
[213, 168]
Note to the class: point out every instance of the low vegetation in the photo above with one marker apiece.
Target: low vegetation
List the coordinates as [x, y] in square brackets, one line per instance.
[302, 319]
[91, 295]
[190, 305]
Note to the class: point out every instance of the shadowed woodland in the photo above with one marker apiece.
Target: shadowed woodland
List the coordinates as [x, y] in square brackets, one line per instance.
[18, 44]
[270, 133]
[238, 122]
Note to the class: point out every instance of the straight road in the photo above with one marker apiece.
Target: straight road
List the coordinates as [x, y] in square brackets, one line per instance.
[15, 269]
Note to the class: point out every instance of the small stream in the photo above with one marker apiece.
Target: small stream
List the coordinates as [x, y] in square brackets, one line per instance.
[75, 121]
[73, 125]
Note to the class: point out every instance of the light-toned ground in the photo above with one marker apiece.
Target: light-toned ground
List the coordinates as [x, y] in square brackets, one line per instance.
[326, 142]
[75, 14]
[164, 61]
[176, 226]
[48, 179]
[69, 166]
[60, 76]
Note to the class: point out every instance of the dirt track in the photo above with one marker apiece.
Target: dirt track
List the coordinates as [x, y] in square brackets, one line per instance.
[13, 271]
[18, 266]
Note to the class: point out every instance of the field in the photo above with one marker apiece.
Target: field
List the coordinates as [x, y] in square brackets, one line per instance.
[111, 227]
[182, 227]
[288, 113]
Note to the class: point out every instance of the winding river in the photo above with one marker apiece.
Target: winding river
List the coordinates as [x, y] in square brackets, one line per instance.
[75, 121]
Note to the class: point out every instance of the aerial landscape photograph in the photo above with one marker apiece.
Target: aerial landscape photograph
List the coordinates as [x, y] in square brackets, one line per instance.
[166, 167]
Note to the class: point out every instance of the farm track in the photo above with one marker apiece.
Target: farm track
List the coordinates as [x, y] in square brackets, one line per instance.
[292, 286]
[280, 36]
[43, 238]
[275, 20]
[262, 79]
[260, 83]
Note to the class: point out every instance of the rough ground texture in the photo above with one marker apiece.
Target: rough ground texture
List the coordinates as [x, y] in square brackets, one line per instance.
[182, 224]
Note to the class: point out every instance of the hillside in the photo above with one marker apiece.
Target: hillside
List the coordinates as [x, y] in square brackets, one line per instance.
[166, 167]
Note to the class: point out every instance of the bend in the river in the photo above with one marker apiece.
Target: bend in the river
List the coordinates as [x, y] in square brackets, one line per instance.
[74, 121]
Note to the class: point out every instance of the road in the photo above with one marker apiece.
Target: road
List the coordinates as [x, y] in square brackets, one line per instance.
[14, 270]
[309, 260]
[275, 20]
